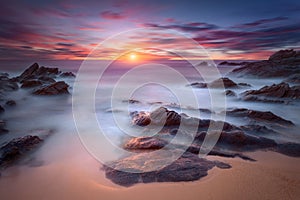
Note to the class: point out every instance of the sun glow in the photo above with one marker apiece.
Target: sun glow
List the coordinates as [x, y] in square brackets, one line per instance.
[132, 57]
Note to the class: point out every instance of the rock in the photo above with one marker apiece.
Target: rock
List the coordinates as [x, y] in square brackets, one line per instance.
[14, 149]
[2, 128]
[11, 103]
[233, 63]
[226, 82]
[46, 79]
[281, 90]
[131, 101]
[2, 109]
[189, 167]
[289, 149]
[198, 85]
[35, 71]
[230, 93]
[67, 74]
[244, 84]
[283, 63]
[31, 83]
[57, 88]
[281, 55]
[295, 78]
[262, 116]
[7, 85]
[145, 143]
[258, 130]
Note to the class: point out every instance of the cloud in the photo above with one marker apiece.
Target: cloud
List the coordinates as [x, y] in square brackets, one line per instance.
[260, 22]
[189, 27]
[112, 15]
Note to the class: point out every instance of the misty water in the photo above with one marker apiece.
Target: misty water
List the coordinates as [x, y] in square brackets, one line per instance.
[63, 158]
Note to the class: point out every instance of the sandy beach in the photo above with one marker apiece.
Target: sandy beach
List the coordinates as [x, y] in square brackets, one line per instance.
[273, 176]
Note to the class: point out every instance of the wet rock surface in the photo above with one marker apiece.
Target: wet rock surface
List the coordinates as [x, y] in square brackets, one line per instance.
[188, 167]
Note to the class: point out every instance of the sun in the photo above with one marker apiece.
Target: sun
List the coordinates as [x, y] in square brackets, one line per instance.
[132, 56]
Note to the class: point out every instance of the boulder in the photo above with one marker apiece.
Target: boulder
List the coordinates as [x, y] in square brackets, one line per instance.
[131, 170]
[11, 103]
[67, 74]
[57, 88]
[230, 93]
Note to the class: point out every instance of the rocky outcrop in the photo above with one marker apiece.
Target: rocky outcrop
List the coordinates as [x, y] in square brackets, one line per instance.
[283, 63]
[31, 83]
[14, 149]
[281, 90]
[260, 116]
[295, 78]
[223, 82]
[54, 89]
[67, 74]
[131, 170]
[230, 93]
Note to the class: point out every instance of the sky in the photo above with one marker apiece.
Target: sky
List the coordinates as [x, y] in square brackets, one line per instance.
[70, 30]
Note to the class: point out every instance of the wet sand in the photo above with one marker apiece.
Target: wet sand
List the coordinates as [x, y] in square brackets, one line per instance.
[273, 176]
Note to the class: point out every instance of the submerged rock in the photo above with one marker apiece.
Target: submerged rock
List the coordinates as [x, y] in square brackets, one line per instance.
[230, 93]
[188, 167]
[57, 88]
[10, 103]
[223, 82]
[67, 74]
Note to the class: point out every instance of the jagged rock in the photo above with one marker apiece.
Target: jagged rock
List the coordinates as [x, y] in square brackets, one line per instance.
[281, 90]
[283, 63]
[11, 103]
[67, 74]
[31, 83]
[258, 129]
[259, 116]
[57, 88]
[189, 167]
[14, 149]
[295, 78]
[35, 71]
[7, 85]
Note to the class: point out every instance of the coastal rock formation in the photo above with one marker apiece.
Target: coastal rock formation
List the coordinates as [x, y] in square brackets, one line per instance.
[31, 83]
[283, 63]
[14, 149]
[295, 78]
[223, 82]
[281, 90]
[57, 88]
[259, 116]
[233, 63]
[189, 167]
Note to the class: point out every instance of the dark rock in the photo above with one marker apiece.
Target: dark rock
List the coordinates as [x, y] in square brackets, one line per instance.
[131, 101]
[46, 79]
[7, 85]
[282, 90]
[14, 149]
[233, 63]
[230, 93]
[57, 88]
[258, 130]
[266, 116]
[189, 167]
[67, 74]
[223, 82]
[2, 109]
[198, 85]
[295, 78]
[11, 103]
[244, 84]
[289, 149]
[283, 63]
[31, 83]
[34, 72]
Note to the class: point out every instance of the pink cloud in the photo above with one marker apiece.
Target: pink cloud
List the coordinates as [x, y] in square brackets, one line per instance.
[112, 15]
